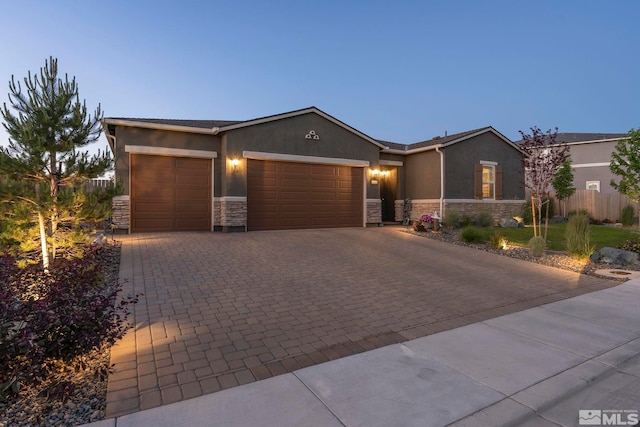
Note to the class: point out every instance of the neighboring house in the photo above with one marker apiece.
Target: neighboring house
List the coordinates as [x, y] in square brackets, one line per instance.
[590, 159]
[301, 169]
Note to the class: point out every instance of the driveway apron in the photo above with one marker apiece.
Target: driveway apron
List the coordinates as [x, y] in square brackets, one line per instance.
[223, 309]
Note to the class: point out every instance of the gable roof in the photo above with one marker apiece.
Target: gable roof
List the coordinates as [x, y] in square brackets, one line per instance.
[214, 127]
[445, 141]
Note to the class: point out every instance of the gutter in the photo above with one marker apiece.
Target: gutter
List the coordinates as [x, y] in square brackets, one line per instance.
[437, 147]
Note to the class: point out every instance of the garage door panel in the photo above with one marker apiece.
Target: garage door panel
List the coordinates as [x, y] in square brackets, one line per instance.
[170, 193]
[300, 195]
[197, 193]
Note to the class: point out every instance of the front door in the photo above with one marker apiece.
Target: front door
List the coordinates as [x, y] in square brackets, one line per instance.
[388, 186]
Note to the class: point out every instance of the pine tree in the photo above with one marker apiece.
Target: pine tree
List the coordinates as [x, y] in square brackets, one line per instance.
[41, 170]
[625, 162]
[563, 182]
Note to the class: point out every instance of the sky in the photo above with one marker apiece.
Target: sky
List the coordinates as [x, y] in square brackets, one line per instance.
[401, 71]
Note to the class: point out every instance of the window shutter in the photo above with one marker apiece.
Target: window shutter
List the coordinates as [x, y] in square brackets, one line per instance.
[477, 181]
[498, 188]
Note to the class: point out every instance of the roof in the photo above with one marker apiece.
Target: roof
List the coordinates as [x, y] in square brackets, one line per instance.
[204, 124]
[444, 141]
[587, 137]
[216, 126]
[441, 140]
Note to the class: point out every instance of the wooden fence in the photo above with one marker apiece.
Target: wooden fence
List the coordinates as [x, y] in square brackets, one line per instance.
[97, 183]
[600, 206]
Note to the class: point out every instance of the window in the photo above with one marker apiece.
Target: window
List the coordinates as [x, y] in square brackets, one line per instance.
[593, 185]
[488, 181]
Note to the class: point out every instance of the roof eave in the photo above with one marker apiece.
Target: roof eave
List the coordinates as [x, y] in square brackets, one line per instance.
[161, 126]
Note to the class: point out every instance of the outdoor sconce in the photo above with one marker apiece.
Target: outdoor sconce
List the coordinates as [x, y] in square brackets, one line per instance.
[374, 174]
[235, 163]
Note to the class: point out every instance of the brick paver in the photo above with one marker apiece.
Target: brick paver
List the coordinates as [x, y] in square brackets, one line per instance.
[220, 310]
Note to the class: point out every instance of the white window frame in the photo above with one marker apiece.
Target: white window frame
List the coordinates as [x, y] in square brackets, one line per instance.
[593, 183]
[491, 166]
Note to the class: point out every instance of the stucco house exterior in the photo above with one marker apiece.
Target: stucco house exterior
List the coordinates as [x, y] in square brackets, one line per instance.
[300, 169]
[590, 159]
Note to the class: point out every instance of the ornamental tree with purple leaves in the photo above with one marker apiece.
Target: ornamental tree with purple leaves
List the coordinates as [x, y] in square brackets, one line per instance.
[542, 156]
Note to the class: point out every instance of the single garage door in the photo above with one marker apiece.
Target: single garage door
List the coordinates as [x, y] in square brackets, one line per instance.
[170, 193]
[284, 195]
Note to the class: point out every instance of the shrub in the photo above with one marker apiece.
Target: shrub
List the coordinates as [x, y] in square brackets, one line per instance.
[466, 221]
[537, 245]
[472, 235]
[496, 240]
[627, 215]
[631, 245]
[485, 219]
[581, 212]
[451, 219]
[578, 235]
[57, 316]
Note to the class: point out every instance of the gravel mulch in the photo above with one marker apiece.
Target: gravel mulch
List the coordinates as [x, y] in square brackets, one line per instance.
[87, 374]
[551, 258]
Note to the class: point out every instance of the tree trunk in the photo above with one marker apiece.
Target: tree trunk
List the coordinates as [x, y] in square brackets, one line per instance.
[43, 233]
[54, 182]
[546, 221]
[533, 214]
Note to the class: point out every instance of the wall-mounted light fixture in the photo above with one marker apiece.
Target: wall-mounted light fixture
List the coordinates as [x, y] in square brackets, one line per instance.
[374, 176]
[235, 163]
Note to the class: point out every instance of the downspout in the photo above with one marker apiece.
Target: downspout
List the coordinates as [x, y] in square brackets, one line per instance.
[441, 181]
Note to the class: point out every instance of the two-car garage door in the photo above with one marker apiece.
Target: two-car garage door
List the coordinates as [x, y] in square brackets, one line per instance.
[285, 195]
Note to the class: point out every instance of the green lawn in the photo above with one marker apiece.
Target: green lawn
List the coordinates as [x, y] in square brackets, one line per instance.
[600, 236]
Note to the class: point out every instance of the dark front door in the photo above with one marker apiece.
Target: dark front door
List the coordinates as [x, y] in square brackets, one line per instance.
[388, 184]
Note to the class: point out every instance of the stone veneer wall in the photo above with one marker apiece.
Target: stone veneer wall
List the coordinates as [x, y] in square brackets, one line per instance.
[374, 211]
[233, 213]
[399, 210]
[498, 209]
[217, 221]
[427, 207]
[120, 212]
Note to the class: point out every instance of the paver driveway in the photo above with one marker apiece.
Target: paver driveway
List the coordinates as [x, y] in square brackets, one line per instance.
[221, 310]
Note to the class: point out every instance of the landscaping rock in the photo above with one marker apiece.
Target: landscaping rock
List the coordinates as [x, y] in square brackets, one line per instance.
[508, 223]
[558, 220]
[610, 255]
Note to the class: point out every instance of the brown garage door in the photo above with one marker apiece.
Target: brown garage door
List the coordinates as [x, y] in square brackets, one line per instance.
[170, 193]
[283, 195]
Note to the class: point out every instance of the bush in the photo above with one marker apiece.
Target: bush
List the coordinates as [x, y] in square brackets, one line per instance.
[472, 235]
[451, 219]
[581, 212]
[496, 240]
[485, 219]
[628, 213]
[631, 245]
[537, 245]
[57, 316]
[466, 221]
[578, 236]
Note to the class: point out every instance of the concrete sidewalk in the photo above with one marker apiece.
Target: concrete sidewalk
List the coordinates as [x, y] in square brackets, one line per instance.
[537, 367]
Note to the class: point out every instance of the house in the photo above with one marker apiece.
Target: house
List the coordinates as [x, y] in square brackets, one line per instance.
[300, 169]
[590, 159]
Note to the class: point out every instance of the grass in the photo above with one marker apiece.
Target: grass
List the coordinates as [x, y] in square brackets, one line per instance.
[601, 236]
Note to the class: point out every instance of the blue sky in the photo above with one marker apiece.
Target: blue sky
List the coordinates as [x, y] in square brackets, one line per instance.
[403, 71]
